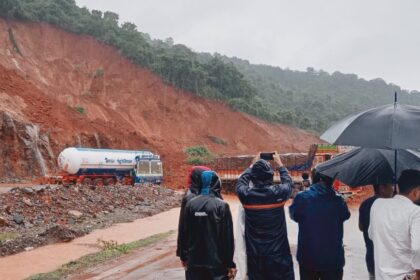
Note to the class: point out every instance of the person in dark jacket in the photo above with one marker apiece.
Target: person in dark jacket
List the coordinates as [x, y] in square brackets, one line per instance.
[194, 189]
[381, 191]
[320, 213]
[207, 230]
[267, 246]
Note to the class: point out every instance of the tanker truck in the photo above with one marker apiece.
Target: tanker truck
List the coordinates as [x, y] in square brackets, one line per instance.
[107, 167]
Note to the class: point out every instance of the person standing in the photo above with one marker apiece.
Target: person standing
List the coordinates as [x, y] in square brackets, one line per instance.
[267, 246]
[320, 213]
[381, 191]
[395, 231]
[207, 231]
[194, 189]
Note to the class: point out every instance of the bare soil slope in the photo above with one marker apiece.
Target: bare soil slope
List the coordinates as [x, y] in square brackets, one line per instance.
[47, 73]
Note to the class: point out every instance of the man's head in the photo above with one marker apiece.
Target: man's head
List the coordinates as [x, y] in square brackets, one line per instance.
[320, 178]
[194, 178]
[409, 184]
[305, 176]
[261, 172]
[384, 190]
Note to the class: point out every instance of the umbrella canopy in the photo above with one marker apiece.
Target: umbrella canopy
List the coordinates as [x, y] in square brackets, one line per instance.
[393, 126]
[365, 166]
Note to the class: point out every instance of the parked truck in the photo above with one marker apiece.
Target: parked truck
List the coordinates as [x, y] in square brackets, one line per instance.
[229, 168]
[107, 167]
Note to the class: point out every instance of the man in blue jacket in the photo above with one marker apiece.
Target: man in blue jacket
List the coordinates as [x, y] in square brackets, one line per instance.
[267, 246]
[320, 213]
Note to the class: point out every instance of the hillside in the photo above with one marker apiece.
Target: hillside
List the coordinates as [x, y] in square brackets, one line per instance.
[60, 89]
[315, 99]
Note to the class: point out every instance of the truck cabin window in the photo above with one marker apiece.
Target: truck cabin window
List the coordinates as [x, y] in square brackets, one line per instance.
[156, 167]
[143, 167]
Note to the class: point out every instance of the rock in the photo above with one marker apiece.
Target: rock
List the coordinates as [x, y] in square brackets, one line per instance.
[29, 249]
[27, 201]
[3, 221]
[75, 214]
[28, 190]
[18, 219]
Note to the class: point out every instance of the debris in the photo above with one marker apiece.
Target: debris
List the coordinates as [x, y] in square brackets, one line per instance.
[27, 201]
[75, 214]
[18, 219]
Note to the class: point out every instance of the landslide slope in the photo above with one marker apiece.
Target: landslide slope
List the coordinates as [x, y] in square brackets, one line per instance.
[59, 89]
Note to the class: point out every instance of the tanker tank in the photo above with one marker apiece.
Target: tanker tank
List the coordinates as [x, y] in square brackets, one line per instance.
[74, 160]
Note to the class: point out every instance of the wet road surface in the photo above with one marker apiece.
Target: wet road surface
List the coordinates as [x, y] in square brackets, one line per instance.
[159, 261]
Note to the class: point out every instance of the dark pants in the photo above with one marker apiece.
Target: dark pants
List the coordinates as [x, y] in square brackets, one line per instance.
[200, 273]
[306, 274]
[370, 262]
[270, 267]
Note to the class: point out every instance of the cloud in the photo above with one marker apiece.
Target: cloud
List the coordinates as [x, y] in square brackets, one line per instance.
[377, 38]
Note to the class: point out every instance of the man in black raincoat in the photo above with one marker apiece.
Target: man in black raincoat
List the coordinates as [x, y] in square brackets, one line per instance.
[207, 232]
[194, 189]
[267, 246]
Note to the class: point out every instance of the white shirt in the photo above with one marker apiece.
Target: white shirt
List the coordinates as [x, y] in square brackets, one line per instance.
[395, 232]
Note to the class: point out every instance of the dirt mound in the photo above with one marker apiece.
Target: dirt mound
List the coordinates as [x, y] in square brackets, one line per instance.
[82, 92]
[42, 215]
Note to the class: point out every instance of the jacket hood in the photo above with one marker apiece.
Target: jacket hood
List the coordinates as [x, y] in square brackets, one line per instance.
[262, 173]
[194, 178]
[211, 184]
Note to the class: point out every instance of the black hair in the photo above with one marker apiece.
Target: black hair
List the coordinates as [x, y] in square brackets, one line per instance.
[409, 180]
[376, 188]
[305, 176]
[318, 177]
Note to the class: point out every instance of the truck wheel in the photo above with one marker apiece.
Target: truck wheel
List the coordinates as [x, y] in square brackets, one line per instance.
[87, 182]
[109, 182]
[98, 182]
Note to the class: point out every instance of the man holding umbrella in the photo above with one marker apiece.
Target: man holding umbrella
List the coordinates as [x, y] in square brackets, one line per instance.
[395, 231]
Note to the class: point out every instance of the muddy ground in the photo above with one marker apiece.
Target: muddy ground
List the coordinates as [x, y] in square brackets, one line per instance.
[158, 261]
[35, 216]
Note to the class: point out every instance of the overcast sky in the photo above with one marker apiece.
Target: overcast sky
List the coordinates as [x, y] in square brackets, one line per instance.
[371, 38]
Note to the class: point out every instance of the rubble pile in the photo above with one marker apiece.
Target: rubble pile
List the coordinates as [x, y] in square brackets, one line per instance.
[47, 214]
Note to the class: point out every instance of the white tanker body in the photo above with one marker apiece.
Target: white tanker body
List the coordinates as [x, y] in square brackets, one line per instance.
[107, 166]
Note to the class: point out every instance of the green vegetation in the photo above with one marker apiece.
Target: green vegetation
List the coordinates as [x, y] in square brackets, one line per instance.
[8, 236]
[312, 100]
[198, 155]
[111, 250]
[80, 109]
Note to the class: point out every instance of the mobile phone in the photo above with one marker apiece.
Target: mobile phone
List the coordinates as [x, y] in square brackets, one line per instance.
[267, 156]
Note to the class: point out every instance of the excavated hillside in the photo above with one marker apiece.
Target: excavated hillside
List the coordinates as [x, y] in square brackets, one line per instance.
[58, 89]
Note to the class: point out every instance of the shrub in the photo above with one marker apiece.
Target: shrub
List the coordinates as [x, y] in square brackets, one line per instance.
[198, 155]
[80, 109]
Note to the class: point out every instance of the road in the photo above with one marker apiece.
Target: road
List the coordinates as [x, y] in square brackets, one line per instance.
[159, 262]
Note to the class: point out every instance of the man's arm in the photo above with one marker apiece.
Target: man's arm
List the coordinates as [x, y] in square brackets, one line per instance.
[242, 185]
[345, 213]
[180, 241]
[285, 189]
[185, 234]
[296, 210]
[229, 243]
[415, 243]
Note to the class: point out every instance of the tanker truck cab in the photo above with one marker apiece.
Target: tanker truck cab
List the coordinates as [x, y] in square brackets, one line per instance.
[148, 169]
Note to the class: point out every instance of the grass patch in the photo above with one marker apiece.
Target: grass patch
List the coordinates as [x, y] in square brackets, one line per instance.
[8, 236]
[111, 250]
[80, 109]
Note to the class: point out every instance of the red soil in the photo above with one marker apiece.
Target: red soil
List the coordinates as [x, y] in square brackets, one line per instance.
[126, 107]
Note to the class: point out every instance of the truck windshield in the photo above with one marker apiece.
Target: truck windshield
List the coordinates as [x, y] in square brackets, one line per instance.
[156, 167]
[143, 167]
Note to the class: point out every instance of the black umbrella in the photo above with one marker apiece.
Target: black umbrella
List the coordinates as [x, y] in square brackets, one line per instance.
[366, 166]
[394, 126]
